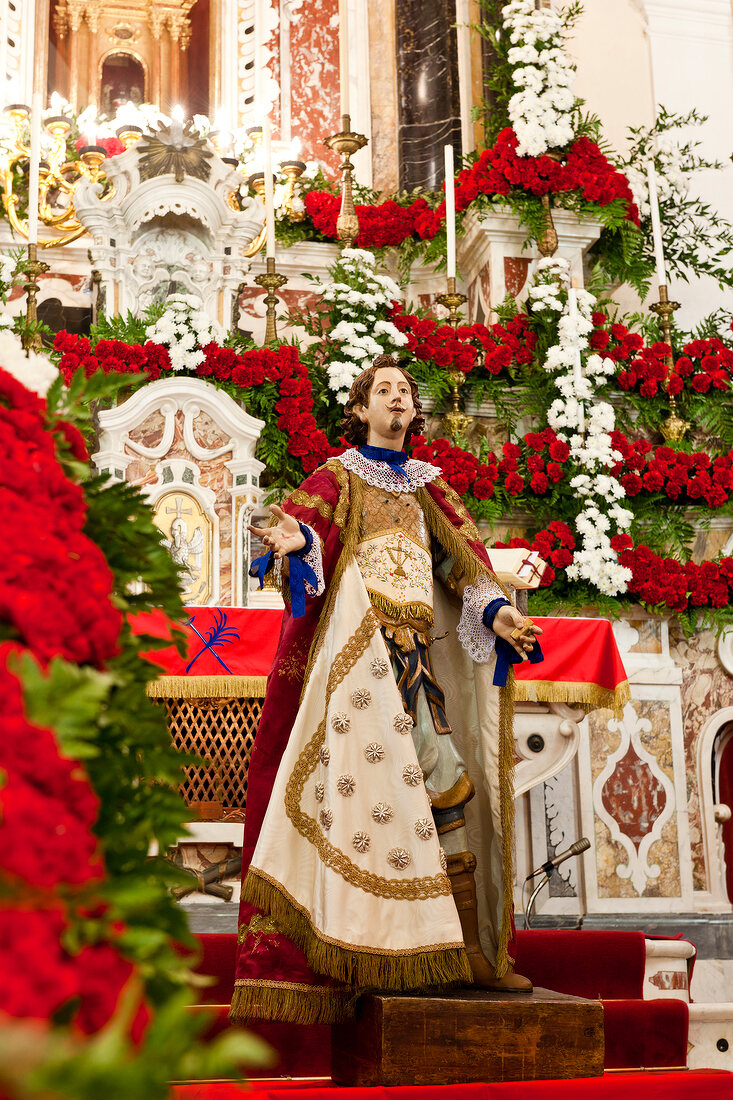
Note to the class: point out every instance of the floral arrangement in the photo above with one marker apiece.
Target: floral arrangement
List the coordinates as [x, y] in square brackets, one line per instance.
[90, 973]
[590, 423]
[359, 300]
[266, 379]
[184, 329]
[543, 107]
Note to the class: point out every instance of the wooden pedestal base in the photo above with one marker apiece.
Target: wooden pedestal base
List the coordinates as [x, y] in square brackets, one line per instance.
[468, 1035]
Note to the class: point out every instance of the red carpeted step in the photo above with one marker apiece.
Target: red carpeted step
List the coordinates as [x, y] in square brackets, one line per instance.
[646, 1034]
[605, 965]
[609, 965]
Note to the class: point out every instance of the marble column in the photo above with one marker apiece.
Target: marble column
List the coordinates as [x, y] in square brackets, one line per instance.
[427, 79]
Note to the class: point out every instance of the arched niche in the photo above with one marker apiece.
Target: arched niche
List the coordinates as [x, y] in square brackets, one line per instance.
[715, 779]
[121, 79]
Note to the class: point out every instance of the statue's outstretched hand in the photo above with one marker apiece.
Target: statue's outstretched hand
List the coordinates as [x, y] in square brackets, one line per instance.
[514, 628]
[283, 539]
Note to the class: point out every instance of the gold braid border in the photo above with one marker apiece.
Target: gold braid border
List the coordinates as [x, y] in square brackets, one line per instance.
[418, 889]
[362, 968]
[504, 962]
[293, 1001]
[316, 503]
[349, 502]
[455, 543]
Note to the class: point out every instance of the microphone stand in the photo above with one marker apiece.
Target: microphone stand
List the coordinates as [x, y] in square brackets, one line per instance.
[528, 910]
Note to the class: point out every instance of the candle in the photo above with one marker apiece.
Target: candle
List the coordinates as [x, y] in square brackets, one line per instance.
[450, 210]
[269, 193]
[33, 172]
[177, 125]
[4, 7]
[651, 176]
[344, 55]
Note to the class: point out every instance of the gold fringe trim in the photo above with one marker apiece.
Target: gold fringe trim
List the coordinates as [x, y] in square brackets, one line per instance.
[506, 808]
[455, 544]
[400, 611]
[352, 965]
[207, 687]
[579, 694]
[292, 1001]
[350, 500]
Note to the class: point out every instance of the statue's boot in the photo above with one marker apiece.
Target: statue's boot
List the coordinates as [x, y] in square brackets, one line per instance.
[449, 813]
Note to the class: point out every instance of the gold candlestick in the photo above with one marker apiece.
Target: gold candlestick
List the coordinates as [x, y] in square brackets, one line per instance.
[456, 422]
[292, 170]
[34, 267]
[346, 143]
[271, 281]
[548, 242]
[674, 427]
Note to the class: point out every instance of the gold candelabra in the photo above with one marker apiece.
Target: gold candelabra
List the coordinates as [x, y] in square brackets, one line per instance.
[271, 280]
[455, 420]
[33, 267]
[346, 143]
[674, 427]
[58, 177]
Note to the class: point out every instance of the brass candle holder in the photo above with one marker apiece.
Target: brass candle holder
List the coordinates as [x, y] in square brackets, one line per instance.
[31, 340]
[271, 280]
[346, 143]
[455, 420]
[129, 135]
[674, 427]
[292, 170]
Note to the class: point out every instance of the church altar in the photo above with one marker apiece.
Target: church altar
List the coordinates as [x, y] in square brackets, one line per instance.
[582, 665]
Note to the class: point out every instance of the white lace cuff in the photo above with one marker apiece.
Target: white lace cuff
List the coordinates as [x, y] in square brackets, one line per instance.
[477, 640]
[314, 559]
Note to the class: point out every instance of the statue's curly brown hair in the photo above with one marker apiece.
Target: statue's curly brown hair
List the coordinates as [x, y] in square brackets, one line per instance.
[355, 430]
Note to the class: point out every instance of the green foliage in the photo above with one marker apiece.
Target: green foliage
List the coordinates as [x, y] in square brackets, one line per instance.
[130, 328]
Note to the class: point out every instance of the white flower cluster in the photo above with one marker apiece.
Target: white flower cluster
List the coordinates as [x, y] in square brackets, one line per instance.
[542, 109]
[673, 183]
[586, 425]
[360, 296]
[184, 329]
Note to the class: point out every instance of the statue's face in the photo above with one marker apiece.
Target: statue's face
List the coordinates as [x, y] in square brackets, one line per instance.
[391, 409]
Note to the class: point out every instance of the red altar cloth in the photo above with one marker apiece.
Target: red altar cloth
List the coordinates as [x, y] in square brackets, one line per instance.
[582, 663]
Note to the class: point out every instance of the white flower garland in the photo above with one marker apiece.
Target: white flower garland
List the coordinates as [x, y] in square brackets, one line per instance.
[590, 423]
[542, 109]
[184, 329]
[361, 297]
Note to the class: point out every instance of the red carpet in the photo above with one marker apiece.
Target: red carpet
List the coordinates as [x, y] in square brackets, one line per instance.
[626, 1086]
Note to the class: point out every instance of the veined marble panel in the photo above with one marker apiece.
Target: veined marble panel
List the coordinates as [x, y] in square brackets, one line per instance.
[314, 79]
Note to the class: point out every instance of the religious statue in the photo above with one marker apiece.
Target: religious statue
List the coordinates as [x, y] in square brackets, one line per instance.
[385, 715]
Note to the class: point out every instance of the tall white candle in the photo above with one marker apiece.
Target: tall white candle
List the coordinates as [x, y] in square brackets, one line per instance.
[269, 190]
[33, 172]
[450, 210]
[4, 10]
[344, 56]
[577, 360]
[651, 176]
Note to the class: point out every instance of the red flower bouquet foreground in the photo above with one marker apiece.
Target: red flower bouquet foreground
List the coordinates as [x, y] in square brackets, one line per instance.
[245, 371]
[55, 601]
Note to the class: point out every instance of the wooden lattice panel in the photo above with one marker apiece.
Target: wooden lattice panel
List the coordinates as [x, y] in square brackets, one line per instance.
[221, 731]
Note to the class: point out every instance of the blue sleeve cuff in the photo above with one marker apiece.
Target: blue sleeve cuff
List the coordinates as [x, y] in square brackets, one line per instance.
[491, 609]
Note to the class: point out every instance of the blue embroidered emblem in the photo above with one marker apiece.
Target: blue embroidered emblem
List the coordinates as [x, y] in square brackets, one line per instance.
[217, 635]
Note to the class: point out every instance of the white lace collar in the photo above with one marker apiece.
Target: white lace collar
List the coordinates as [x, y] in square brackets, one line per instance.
[381, 476]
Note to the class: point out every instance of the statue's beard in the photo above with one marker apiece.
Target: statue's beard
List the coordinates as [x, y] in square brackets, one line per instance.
[396, 424]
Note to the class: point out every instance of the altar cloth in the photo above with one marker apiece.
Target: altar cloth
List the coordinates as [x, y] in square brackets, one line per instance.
[582, 664]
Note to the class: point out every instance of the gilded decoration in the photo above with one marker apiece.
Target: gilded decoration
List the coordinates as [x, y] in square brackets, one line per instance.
[361, 842]
[412, 775]
[164, 153]
[399, 858]
[374, 752]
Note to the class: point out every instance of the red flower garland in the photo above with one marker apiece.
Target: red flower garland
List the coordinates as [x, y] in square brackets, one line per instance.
[245, 370]
[497, 348]
[496, 171]
[665, 581]
[679, 475]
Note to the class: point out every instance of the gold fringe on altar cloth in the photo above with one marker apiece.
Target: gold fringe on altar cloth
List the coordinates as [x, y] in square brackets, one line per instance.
[581, 694]
[207, 687]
